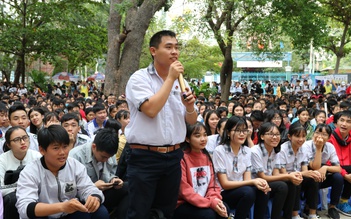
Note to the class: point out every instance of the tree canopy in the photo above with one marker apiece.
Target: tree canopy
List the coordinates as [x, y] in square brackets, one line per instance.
[44, 29]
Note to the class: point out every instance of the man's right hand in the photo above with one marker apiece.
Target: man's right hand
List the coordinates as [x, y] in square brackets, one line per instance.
[175, 69]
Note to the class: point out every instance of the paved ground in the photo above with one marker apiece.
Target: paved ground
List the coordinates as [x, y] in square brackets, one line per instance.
[324, 216]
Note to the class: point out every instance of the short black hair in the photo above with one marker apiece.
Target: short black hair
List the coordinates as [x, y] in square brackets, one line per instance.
[157, 37]
[346, 113]
[16, 107]
[98, 107]
[106, 140]
[257, 115]
[69, 116]
[71, 106]
[52, 134]
[88, 110]
[3, 108]
[56, 102]
[120, 102]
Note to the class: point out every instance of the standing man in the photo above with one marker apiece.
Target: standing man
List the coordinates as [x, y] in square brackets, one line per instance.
[328, 87]
[319, 88]
[83, 88]
[158, 116]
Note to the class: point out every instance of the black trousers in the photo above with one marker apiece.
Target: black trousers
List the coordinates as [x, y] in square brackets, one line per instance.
[336, 181]
[346, 193]
[293, 201]
[117, 199]
[279, 192]
[10, 210]
[241, 199]
[154, 180]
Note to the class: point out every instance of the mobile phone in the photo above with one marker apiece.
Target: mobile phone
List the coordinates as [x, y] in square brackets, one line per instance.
[116, 183]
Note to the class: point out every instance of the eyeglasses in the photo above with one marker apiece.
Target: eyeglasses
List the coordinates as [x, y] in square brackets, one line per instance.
[273, 134]
[243, 131]
[322, 134]
[24, 138]
[277, 118]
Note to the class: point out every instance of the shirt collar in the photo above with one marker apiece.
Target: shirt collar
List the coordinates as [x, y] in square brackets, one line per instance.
[96, 125]
[263, 149]
[242, 149]
[42, 160]
[151, 69]
[291, 152]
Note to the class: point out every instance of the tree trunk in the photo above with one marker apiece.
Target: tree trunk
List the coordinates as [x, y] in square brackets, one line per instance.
[6, 75]
[20, 69]
[226, 73]
[121, 64]
[341, 53]
[337, 65]
[112, 63]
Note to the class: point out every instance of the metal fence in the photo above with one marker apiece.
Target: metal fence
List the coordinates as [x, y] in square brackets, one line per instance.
[277, 77]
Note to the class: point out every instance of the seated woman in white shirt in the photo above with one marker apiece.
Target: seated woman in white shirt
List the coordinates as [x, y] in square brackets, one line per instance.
[17, 155]
[213, 140]
[232, 163]
[294, 160]
[266, 165]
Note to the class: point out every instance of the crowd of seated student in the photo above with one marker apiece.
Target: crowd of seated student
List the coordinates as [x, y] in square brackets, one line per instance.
[257, 150]
[327, 149]
[17, 154]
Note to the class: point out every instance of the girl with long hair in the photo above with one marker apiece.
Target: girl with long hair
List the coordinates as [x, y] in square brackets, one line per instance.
[36, 116]
[211, 120]
[275, 116]
[294, 159]
[213, 140]
[15, 158]
[232, 162]
[199, 195]
[265, 165]
[303, 118]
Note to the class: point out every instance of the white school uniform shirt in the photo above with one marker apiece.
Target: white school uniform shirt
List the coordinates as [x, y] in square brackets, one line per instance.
[212, 142]
[262, 162]
[9, 162]
[224, 161]
[341, 90]
[297, 89]
[306, 87]
[168, 126]
[290, 161]
[328, 153]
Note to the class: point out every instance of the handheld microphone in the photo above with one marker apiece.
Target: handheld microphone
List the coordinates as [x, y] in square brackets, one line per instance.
[182, 85]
